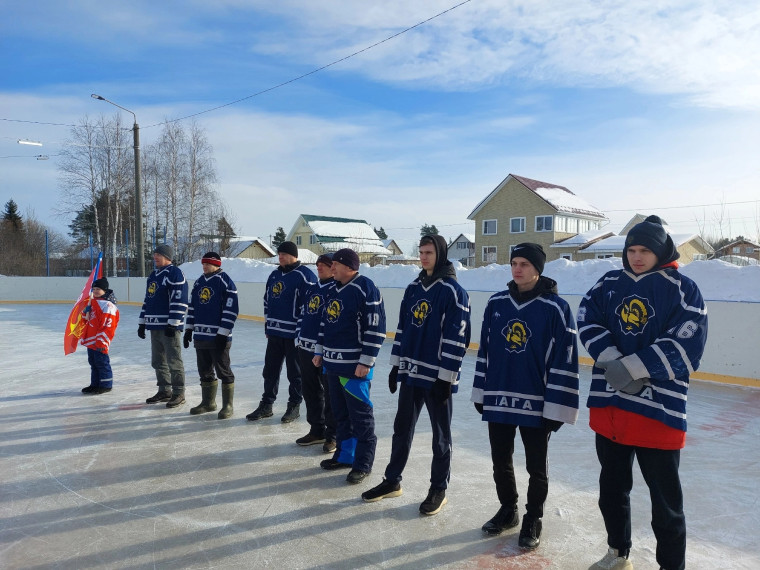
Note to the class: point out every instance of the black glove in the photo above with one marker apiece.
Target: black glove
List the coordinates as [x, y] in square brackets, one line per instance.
[221, 341]
[187, 338]
[617, 376]
[393, 380]
[441, 391]
[478, 407]
[552, 425]
[169, 331]
[141, 331]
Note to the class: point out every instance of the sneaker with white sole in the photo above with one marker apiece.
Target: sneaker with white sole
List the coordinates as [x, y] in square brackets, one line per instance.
[613, 560]
[434, 502]
[310, 439]
[384, 490]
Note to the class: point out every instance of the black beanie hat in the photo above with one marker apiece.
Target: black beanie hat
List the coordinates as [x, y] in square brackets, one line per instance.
[325, 258]
[347, 257]
[101, 283]
[288, 247]
[533, 252]
[653, 236]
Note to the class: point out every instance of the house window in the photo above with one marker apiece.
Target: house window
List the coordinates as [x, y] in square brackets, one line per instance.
[604, 255]
[572, 225]
[489, 254]
[489, 227]
[699, 257]
[749, 249]
[312, 239]
[298, 240]
[568, 256]
[560, 224]
[544, 223]
[517, 225]
[463, 245]
[736, 249]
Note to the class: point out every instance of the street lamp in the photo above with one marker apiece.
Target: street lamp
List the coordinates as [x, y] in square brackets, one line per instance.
[138, 195]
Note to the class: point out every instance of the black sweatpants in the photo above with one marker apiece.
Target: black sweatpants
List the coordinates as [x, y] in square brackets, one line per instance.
[212, 360]
[316, 396]
[279, 350]
[660, 470]
[536, 443]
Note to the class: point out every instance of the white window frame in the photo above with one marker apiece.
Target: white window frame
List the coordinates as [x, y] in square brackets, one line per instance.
[298, 240]
[544, 217]
[312, 239]
[604, 255]
[522, 225]
[749, 249]
[736, 249]
[699, 257]
[484, 254]
[568, 256]
[495, 227]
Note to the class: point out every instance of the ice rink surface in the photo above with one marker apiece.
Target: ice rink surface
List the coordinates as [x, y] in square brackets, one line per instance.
[111, 482]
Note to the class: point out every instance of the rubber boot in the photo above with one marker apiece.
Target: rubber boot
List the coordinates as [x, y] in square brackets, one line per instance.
[208, 404]
[228, 391]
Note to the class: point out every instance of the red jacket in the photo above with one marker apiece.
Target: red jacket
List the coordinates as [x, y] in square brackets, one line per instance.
[102, 317]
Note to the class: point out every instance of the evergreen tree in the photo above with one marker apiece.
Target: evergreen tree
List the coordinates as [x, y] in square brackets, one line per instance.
[279, 237]
[12, 217]
[428, 230]
[83, 225]
[381, 233]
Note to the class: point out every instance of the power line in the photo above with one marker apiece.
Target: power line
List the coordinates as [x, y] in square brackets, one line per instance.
[685, 207]
[317, 70]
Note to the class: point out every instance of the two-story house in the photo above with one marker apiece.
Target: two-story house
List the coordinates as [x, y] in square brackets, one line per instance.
[462, 249]
[521, 209]
[741, 248]
[327, 234]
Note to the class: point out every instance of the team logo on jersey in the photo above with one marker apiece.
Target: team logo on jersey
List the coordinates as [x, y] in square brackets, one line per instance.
[333, 310]
[152, 288]
[517, 335]
[634, 312]
[277, 289]
[205, 294]
[420, 312]
[315, 304]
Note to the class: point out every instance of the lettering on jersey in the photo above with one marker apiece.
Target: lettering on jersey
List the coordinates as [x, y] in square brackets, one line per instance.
[152, 288]
[517, 334]
[514, 403]
[277, 289]
[205, 294]
[315, 304]
[333, 355]
[408, 367]
[333, 310]
[634, 312]
[420, 312]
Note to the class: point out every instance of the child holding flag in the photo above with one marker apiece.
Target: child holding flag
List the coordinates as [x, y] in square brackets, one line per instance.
[102, 318]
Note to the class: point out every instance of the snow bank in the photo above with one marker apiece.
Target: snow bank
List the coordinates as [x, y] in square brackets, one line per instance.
[718, 280]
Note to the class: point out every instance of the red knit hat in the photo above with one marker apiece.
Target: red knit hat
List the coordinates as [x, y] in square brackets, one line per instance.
[212, 258]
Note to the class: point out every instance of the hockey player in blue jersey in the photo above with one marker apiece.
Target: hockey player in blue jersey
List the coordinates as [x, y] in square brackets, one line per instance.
[431, 340]
[283, 302]
[163, 314]
[211, 316]
[351, 334]
[526, 378]
[316, 391]
[645, 326]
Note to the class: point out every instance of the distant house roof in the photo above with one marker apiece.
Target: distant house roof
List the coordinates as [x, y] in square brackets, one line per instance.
[617, 243]
[336, 233]
[468, 237]
[558, 197]
[240, 243]
[305, 256]
[738, 241]
[637, 219]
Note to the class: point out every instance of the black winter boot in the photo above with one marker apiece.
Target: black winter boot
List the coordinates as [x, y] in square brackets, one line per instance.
[208, 399]
[293, 412]
[530, 533]
[228, 391]
[263, 411]
[505, 518]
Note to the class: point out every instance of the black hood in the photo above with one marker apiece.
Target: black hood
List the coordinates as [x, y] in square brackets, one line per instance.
[543, 286]
[443, 267]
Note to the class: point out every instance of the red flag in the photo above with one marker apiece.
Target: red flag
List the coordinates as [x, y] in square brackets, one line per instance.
[76, 324]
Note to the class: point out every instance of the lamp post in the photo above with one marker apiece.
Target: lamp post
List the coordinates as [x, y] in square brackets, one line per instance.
[138, 195]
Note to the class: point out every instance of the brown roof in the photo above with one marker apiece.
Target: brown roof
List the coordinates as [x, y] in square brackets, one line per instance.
[536, 184]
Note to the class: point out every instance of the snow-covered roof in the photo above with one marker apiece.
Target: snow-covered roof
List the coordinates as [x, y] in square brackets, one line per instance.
[565, 201]
[582, 239]
[617, 243]
[354, 234]
[305, 256]
[241, 243]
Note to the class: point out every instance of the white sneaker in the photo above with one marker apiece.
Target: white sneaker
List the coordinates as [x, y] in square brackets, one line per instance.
[612, 561]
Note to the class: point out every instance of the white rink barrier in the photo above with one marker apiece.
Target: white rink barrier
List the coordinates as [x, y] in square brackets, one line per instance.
[731, 356]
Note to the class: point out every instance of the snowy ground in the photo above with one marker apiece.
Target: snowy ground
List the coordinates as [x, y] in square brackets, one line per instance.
[110, 482]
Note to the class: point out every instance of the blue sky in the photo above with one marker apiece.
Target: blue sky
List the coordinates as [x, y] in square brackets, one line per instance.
[632, 106]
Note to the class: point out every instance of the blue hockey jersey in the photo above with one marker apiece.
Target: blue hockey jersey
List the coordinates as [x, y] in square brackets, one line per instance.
[657, 322]
[311, 316]
[527, 365]
[433, 333]
[283, 299]
[165, 299]
[352, 329]
[213, 306]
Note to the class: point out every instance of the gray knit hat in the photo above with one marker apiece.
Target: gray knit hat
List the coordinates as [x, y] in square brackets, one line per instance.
[165, 250]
